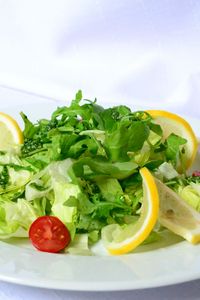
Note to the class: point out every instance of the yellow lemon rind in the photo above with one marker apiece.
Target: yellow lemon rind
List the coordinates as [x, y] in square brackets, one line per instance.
[13, 126]
[152, 216]
[185, 125]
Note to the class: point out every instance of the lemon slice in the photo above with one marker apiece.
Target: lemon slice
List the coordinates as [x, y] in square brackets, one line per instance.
[177, 215]
[172, 123]
[10, 132]
[120, 240]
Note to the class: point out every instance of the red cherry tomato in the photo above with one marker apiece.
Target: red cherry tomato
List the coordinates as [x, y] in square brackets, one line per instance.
[196, 174]
[49, 234]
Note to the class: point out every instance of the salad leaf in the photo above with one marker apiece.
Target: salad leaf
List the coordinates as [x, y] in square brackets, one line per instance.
[191, 195]
[109, 188]
[16, 218]
[111, 115]
[126, 137]
[12, 178]
[173, 143]
[80, 245]
[188, 189]
[4, 177]
[65, 204]
[100, 167]
[166, 171]
[29, 128]
[156, 128]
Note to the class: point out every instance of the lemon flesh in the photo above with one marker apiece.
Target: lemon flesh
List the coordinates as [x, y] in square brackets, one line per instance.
[10, 132]
[120, 240]
[172, 123]
[177, 215]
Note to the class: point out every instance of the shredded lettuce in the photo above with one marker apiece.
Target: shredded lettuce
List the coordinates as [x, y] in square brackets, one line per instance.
[80, 245]
[188, 188]
[166, 171]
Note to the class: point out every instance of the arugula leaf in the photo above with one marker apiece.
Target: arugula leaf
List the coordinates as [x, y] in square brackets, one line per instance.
[85, 145]
[77, 99]
[156, 128]
[111, 115]
[18, 167]
[60, 146]
[38, 160]
[153, 164]
[29, 128]
[174, 142]
[88, 224]
[76, 114]
[4, 177]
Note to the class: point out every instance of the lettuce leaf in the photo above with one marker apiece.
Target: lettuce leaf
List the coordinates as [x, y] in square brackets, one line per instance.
[16, 218]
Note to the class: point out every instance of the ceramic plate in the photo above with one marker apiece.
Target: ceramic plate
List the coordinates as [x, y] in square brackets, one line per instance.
[162, 264]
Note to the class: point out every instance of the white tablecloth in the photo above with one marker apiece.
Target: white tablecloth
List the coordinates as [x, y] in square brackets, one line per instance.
[144, 51]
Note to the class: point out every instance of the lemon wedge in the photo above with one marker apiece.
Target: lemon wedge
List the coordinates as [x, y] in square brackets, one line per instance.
[10, 132]
[120, 240]
[177, 215]
[172, 123]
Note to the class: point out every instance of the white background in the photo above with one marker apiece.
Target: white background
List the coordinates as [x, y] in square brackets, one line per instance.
[141, 51]
[144, 52]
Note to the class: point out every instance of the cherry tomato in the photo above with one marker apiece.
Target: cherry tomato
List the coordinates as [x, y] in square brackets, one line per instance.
[49, 234]
[196, 173]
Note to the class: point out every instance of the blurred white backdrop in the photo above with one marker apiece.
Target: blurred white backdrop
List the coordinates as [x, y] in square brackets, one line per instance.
[141, 51]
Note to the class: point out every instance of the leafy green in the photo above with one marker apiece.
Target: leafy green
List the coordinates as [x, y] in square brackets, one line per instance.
[110, 188]
[16, 218]
[127, 137]
[111, 115]
[80, 245]
[82, 165]
[4, 177]
[173, 143]
[29, 128]
[100, 167]
[188, 189]
[166, 171]
[13, 177]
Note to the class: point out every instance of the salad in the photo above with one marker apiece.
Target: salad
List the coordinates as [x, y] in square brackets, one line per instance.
[91, 174]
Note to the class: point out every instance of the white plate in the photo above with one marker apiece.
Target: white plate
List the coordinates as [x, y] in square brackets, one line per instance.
[165, 265]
